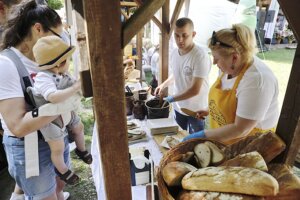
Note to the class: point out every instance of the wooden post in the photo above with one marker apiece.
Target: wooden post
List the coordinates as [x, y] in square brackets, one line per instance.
[139, 47]
[103, 18]
[164, 42]
[290, 111]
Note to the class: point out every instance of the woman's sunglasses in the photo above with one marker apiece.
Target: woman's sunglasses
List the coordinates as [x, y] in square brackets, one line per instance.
[214, 41]
[49, 29]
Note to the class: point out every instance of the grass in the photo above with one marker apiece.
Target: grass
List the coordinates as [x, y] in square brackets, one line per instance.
[279, 60]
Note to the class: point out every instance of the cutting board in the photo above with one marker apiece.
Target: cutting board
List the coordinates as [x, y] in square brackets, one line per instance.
[159, 138]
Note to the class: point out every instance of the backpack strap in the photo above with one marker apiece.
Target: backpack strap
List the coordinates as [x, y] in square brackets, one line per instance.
[25, 79]
[31, 140]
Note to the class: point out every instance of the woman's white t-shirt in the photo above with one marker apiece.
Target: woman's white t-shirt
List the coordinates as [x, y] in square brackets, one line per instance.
[257, 95]
[10, 86]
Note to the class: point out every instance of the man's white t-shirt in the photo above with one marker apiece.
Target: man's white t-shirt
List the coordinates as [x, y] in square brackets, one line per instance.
[257, 95]
[195, 63]
[10, 86]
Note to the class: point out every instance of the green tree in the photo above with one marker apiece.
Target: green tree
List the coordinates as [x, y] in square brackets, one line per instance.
[55, 4]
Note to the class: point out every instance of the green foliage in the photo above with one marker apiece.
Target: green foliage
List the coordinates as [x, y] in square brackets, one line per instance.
[55, 4]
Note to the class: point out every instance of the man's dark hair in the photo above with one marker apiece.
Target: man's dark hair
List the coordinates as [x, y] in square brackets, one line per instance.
[24, 16]
[184, 21]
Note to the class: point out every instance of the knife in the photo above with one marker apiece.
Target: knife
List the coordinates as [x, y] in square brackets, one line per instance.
[189, 112]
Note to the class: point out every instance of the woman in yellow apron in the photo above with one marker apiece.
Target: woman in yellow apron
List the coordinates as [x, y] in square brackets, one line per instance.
[243, 100]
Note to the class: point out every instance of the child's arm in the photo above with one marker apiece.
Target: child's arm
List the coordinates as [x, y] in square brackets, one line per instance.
[61, 95]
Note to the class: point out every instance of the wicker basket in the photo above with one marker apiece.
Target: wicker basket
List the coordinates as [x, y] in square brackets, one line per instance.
[181, 148]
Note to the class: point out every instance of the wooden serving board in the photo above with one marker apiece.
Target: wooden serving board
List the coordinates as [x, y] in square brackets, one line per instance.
[159, 138]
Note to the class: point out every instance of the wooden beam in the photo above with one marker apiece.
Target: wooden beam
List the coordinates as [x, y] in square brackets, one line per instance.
[128, 4]
[164, 42]
[291, 107]
[175, 15]
[124, 14]
[154, 19]
[294, 147]
[291, 12]
[104, 42]
[290, 112]
[157, 22]
[139, 19]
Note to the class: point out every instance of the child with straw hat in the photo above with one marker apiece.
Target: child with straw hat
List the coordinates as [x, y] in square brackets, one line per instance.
[54, 84]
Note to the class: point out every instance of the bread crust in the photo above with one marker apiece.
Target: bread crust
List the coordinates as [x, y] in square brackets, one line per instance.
[251, 159]
[173, 172]
[289, 183]
[198, 195]
[240, 180]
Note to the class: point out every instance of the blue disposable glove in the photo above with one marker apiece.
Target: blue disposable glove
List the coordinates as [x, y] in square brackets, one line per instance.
[199, 134]
[169, 99]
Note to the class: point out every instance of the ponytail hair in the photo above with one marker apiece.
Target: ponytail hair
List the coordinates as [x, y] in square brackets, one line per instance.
[23, 17]
[240, 38]
[9, 2]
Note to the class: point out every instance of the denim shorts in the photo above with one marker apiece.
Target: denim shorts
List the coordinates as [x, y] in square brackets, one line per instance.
[37, 187]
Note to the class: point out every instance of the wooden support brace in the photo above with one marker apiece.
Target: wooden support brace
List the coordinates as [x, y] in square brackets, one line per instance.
[175, 15]
[139, 19]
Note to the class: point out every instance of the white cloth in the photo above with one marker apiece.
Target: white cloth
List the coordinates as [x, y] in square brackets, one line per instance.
[196, 63]
[138, 192]
[257, 95]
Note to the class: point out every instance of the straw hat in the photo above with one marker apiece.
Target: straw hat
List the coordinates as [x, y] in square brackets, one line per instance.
[50, 51]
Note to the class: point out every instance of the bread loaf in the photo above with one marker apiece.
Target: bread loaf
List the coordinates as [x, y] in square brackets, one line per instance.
[217, 155]
[269, 145]
[197, 195]
[233, 150]
[202, 155]
[240, 180]
[289, 183]
[251, 160]
[173, 172]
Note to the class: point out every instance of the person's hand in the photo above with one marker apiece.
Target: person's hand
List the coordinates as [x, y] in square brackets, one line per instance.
[52, 109]
[169, 99]
[199, 134]
[158, 90]
[202, 114]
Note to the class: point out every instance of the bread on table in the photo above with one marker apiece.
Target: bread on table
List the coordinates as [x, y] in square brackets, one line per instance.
[251, 160]
[239, 180]
[173, 172]
[289, 183]
[202, 155]
[198, 195]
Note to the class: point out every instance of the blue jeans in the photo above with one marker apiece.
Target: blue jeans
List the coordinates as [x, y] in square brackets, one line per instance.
[37, 187]
[189, 123]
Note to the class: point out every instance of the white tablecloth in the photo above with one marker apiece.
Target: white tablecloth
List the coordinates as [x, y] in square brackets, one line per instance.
[138, 192]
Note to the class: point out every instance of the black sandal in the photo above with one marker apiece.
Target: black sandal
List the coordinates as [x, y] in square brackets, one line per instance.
[84, 155]
[69, 177]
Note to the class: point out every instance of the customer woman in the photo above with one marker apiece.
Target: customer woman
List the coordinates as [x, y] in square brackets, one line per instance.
[28, 23]
[243, 100]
